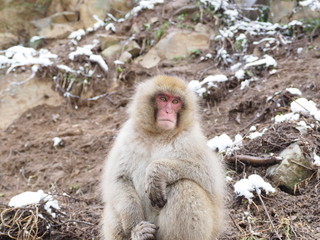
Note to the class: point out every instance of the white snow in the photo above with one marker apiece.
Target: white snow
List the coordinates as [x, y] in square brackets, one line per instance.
[216, 3]
[267, 60]
[118, 62]
[256, 134]
[214, 78]
[56, 141]
[240, 74]
[111, 27]
[98, 59]
[245, 84]
[314, 5]
[254, 183]
[299, 50]
[86, 50]
[35, 38]
[98, 24]
[294, 91]
[303, 105]
[223, 142]
[77, 35]
[286, 117]
[27, 198]
[18, 56]
[143, 4]
[303, 127]
[80, 51]
[197, 86]
[316, 160]
[65, 68]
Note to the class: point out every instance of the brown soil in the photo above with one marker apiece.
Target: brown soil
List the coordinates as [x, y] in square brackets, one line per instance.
[30, 162]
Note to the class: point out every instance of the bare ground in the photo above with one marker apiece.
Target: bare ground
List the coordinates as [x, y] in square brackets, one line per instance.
[29, 161]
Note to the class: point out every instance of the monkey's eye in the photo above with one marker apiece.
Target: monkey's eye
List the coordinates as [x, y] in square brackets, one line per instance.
[163, 98]
[175, 101]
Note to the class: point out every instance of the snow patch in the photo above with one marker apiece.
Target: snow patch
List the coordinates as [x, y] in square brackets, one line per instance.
[28, 198]
[303, 105]
[294, 91]
[286, 117]
[254, 183]
[223, 142]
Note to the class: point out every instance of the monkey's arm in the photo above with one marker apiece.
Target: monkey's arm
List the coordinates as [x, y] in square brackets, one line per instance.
[163, 172]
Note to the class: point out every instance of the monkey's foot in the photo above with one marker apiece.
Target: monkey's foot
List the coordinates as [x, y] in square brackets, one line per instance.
[144, 231]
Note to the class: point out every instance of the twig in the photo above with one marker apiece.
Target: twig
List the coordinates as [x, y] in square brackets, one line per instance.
[265, 209]
[236, 224]
[260, 161]
[301, 165]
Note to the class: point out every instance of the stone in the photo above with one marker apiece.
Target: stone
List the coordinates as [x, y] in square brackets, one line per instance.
[202, 28]
[112, 51]
[64, 17]
[285, 11]
[56, 30]
[7, 40]
[125, 56]
[293, 169]
[133, 48]
[150, 60]
[181, 44]
[89, 8]
[107, 40]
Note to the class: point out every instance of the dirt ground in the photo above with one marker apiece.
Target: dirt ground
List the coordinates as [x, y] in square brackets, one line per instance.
[30, 162]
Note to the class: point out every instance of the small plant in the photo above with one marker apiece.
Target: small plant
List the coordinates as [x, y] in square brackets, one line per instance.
[178, 58]
[147, 26]
[182, 16]
[159, 32]
[195, 53]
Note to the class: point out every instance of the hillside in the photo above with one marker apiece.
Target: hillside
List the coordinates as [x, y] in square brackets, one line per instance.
[246, 73]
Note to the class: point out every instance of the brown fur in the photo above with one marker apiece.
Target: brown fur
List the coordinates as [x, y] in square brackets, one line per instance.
[164, 185]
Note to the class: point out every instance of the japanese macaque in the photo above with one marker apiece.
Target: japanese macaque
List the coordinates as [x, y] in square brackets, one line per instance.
[160, 180]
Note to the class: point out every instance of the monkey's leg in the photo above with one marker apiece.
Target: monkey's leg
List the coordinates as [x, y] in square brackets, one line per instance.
[112, 227]
[123, 212]
[189, 214]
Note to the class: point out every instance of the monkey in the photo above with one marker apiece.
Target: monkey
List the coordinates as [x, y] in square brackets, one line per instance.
[160, 180]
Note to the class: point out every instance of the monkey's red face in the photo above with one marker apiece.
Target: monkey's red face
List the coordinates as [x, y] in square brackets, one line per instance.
[168, 107]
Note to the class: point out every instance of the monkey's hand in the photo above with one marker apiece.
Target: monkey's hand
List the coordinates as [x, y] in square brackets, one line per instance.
[156, 187]
[144, 231]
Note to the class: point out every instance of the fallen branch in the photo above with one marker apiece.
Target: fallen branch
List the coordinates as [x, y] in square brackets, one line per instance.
[258, 161]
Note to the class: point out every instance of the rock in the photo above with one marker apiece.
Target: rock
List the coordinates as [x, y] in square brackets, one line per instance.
[89, 8]
[64, 17]
[293, 169]
[202, 28]
[175, 44]
[119, 8]
[284, 11]
[7, 40]
[108, 40]
[63, 5]
[133, 48]
[135, 28]
[42, 23]
[56, 30]
[180, 44]
[150, 60]
[125, 56]
[112, 51]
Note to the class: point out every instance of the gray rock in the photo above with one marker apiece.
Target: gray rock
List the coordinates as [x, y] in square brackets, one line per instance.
[181, 44]
[284, 11]
[112, 51]
[293, 169]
